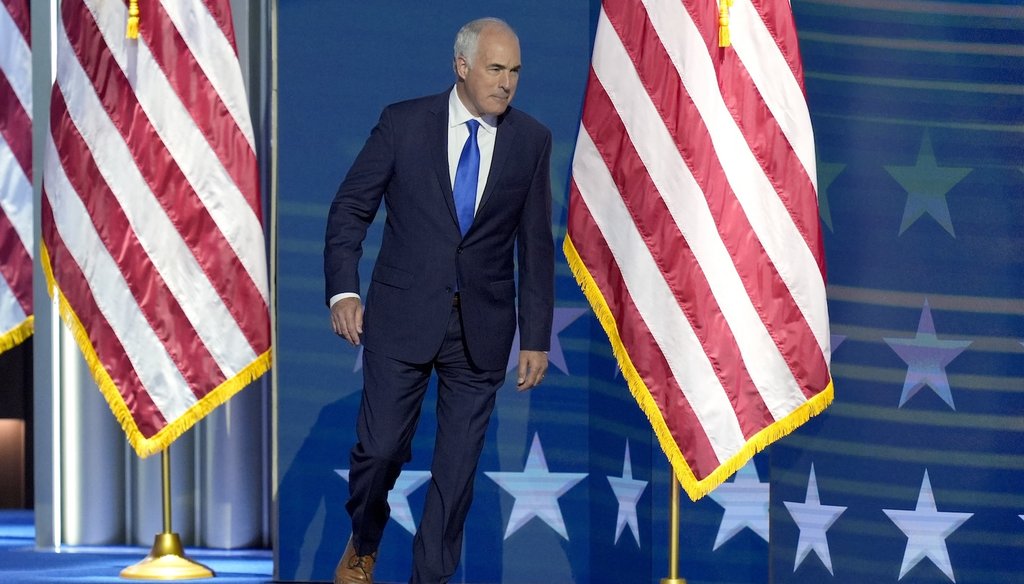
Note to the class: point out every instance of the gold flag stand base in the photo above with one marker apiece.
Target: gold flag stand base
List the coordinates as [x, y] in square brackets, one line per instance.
[166, 561]
[673, 581]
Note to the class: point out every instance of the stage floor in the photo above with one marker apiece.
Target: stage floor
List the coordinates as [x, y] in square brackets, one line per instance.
[21, 562]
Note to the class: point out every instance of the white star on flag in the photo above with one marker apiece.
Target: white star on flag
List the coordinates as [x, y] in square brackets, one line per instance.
[536, 491]
[926, 529]
[627, 492]
[745, 501]
[813, 519]
[398, 498]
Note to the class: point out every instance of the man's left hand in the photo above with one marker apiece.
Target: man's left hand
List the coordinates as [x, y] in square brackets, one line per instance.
[532, 367]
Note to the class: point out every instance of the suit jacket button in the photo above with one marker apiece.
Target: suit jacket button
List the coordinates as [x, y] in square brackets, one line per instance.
[459, 250]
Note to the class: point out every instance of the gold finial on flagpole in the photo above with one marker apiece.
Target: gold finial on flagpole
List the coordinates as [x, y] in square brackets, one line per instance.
[167, 559]
[133, 20]
[673, 534]
[724, 40]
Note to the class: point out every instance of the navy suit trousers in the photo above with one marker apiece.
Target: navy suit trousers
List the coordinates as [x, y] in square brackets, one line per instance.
[393, 394]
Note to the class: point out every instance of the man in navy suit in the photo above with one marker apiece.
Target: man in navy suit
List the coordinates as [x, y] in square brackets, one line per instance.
[466, 182]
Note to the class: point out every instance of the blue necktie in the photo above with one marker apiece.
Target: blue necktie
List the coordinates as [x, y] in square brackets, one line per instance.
[467, 175]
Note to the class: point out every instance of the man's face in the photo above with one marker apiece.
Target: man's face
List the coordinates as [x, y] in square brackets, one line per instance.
[490, 80]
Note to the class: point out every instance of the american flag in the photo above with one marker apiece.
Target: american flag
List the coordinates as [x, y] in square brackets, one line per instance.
[15, 174]
[151, 217]
[693, 226]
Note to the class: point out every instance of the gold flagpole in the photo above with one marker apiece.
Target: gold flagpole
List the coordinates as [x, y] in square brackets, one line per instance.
[673, 535]
[167, 559]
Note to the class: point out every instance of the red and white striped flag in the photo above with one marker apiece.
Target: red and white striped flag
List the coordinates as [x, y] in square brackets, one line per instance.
[15, 174]
[152, 225]
[693, 226]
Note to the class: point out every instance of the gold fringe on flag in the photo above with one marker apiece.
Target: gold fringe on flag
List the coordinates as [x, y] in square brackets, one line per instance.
[146, 446]
[17, 335]
[132, 31]
[694, 487]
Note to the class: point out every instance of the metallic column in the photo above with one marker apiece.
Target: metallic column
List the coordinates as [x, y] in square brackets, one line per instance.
[91, 456]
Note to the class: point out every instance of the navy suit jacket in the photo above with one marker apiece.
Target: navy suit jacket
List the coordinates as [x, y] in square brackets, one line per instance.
[423, 255]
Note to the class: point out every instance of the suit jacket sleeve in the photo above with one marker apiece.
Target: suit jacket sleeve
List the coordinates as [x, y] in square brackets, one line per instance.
[354, 207]
[536, 259]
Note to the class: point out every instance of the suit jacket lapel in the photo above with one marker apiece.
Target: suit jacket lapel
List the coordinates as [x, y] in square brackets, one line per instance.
[438, 132]
[502, 148]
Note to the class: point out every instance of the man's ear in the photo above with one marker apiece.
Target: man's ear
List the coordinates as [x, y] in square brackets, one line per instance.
[461, 67]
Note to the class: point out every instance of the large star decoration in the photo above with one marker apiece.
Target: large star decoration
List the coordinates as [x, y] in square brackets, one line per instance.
[536, 491]
[562, 319]
[834, 342]
[926, 529]
[926, 184]
[813, 519]
[745, 501]
[827, 173]
[627, 492]
[398, 498]
[926, 357]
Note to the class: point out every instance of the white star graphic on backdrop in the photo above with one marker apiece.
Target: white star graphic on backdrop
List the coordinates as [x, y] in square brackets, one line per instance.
[813, 519]
[536, 491]
[359, 360]
[398, 498]
[927, 185]
[827, 173]
[926, 357]
[835, 340]
[627, 492]
[745, 501]
[926, 529]
[563, 317]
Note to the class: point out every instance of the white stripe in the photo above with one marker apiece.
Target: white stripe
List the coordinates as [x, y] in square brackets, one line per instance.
[150, 361]
[187, 145]
[16, 195]
[209, 46]
[156, 233]
[654, 300]
[11, 314]
[774, 80]
[16, 60]
[768, 217]
[689, 209]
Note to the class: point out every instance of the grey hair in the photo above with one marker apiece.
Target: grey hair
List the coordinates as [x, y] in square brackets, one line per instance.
[467, 39]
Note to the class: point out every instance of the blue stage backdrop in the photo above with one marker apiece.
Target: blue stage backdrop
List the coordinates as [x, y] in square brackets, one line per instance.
[915, 473]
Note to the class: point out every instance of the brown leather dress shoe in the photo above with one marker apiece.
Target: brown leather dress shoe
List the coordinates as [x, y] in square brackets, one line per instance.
[355, 569]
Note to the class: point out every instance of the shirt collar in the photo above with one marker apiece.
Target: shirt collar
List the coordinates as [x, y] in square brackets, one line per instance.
[458, 114]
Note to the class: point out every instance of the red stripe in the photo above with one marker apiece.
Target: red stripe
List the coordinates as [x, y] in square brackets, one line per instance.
[160, 308]
[20, 13]
[762, 132]
[16, 126]
[198, 95]
[778, 18]
[220, 10]
[768, 292]
[674, 258]
[644, 353]
[16, 266]
[111, 353]
[184, 208]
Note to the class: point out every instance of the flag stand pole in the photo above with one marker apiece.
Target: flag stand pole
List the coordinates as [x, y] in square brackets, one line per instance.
[167, 559]
[673, 536]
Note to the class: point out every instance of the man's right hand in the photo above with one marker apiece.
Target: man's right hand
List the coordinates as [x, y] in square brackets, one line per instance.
[347, 319]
